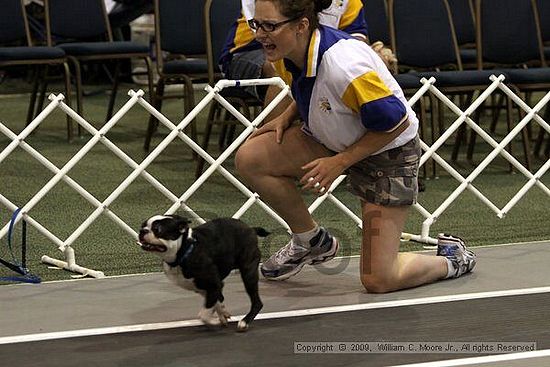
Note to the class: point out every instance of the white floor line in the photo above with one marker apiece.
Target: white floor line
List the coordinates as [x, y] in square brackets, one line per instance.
[481, 360]
[272, 315]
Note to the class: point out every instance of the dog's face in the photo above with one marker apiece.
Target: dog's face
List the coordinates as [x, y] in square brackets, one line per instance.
[161, 233]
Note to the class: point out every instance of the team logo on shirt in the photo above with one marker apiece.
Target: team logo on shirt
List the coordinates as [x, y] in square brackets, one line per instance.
[324, 105]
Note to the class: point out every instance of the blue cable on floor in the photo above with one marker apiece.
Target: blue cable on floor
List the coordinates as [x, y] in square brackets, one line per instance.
[26, 277]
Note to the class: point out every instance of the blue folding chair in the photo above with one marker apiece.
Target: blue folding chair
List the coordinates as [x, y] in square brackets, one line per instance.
[17, 49]
[462, 13]
[181, 54]
[424, 40]
[81, 28]
[376, 16]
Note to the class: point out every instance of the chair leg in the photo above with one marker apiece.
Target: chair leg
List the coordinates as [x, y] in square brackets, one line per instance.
[37, 81]
[67, 77]
[230, 132]
[509, 113]
[79, 92]
[422, 130]
[542, 133]
[188, 105]
[526, 141]
[434, 120]
[228, 127]
[150, 79]
[214, 109]
[114, 91]
[156, 100]
[496, 106]
[473, 137]
[42, 92]
[461, 134]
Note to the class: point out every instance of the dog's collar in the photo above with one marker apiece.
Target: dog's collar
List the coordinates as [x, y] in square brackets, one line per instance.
[187, 246]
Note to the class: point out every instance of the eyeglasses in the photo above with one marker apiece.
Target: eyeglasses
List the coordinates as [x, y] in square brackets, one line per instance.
[267, 26]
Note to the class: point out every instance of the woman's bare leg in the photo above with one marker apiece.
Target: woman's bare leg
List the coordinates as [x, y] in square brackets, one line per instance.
[271, 169]
[383, 268]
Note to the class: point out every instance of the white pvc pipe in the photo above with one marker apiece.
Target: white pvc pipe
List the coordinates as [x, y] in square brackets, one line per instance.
[29, 129]
[71, 264]
[461, 179]
[31, 221]
[208, 158]
[142, 166]
[216, 164]
[462, 115]
[70, 164]
[79, 189]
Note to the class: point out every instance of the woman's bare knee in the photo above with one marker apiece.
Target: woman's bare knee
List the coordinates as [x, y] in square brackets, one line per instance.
[246, 159]
[377, 284]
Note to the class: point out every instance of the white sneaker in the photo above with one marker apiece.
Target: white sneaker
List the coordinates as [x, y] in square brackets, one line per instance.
[290, 259]
[454, 249]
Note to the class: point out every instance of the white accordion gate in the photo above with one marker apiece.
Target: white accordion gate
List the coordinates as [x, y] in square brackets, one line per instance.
[176, 131]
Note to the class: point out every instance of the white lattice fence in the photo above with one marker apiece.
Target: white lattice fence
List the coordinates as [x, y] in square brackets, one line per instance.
[176, 131]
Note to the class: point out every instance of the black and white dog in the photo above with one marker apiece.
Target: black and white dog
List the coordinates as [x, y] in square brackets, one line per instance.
[200, 258]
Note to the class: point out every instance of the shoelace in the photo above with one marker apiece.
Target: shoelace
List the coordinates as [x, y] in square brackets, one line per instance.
[288, 251]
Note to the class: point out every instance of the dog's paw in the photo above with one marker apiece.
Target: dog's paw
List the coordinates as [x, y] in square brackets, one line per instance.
[242, 326]
[206, 315]
[223, 314]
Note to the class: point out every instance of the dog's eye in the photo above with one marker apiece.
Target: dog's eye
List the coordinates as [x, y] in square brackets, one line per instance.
[156, 227]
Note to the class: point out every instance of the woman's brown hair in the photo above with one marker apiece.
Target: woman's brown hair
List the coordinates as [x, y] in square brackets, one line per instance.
[306, 8]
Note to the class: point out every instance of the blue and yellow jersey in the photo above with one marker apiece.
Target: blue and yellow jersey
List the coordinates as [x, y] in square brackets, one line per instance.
[346, 15]
[345, 89]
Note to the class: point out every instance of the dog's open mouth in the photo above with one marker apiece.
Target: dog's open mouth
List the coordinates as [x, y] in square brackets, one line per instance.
[152, 247]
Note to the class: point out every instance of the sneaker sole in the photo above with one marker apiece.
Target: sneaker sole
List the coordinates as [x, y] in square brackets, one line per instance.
[290, 274]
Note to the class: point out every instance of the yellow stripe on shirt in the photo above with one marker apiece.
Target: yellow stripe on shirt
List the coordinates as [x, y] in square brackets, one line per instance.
[313, 53]
[364, 89]
[243, 35]
[351, 13]
[282, 72]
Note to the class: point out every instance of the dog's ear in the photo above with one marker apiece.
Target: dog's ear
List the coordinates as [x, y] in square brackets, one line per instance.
[181, 222]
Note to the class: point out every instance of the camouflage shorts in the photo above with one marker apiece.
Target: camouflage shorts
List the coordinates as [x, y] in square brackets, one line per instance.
[388, 178]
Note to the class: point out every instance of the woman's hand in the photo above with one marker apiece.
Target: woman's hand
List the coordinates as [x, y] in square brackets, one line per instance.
[279, 124]
[321, 173]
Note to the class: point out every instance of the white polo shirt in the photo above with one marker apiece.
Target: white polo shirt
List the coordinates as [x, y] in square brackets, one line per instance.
[345, 90]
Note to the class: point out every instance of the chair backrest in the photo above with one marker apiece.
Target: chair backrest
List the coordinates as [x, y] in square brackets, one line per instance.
[376, 16]
[77, 20]
[544, 16]
[219, 16]
[507, 33]
[179, 26]
[13, 22]
[463, 19]
[422, 33]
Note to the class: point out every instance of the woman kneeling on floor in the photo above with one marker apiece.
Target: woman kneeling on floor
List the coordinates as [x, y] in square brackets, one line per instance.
[354, 120]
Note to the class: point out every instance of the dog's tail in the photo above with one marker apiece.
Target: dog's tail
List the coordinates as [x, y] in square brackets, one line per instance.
[261, 232]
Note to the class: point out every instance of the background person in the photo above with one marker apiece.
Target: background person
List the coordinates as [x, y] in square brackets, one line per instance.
[242, 56]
